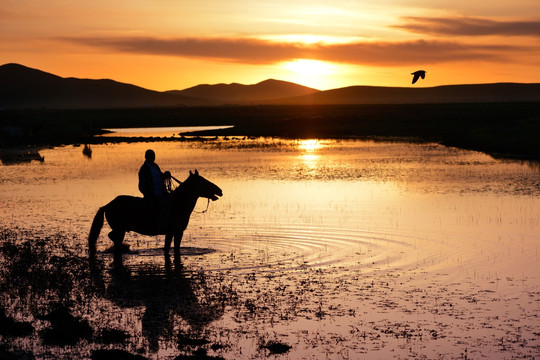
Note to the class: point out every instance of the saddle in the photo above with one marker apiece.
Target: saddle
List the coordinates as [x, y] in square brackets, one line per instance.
[159, 211]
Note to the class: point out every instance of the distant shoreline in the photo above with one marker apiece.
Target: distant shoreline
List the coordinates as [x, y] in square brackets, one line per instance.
[167, 131]
[506, 130]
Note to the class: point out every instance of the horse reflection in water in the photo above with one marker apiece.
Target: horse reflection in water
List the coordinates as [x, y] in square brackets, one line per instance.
[163, 293]
[129, 213]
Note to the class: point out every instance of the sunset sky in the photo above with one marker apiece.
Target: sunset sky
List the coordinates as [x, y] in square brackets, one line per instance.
[175, 44]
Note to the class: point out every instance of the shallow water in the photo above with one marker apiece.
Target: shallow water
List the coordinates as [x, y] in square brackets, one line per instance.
[342, 248]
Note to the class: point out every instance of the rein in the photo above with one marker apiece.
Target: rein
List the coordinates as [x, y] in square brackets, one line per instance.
[168, 185]
[205, 210]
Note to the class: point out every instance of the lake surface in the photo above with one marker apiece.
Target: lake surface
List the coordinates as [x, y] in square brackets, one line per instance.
[339, 249]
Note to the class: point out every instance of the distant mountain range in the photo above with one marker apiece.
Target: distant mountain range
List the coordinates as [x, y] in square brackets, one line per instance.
[474, 93]
[25, 88]
[263, 92]
[22, 87]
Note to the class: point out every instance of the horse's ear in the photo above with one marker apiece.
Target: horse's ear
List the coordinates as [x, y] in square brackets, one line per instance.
[196, 172]
[190, 173]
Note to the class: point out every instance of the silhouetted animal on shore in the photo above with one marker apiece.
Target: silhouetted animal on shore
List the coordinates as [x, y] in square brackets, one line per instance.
[418, 74]
[129, 213]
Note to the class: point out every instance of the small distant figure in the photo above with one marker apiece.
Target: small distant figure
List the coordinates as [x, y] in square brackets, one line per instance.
[418, 74]
[87, 151]
[152, 185]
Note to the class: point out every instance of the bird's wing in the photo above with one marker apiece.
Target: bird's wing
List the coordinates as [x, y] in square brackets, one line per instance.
[423, 74]
[415, 78]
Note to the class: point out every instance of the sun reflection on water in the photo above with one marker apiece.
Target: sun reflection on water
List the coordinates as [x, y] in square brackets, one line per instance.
[310, 145]
[309, 158]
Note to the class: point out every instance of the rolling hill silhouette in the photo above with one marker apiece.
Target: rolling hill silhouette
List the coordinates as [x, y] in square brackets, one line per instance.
[474, 93]
[234, 93]
[25, 88]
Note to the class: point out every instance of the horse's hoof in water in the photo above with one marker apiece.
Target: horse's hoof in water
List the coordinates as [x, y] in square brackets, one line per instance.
[123, 249]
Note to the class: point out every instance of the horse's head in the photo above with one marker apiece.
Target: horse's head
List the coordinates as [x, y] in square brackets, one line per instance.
[203, 187]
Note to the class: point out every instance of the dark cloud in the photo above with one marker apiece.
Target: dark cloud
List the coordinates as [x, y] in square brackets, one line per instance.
[257, 51]
[412, 52]
[231, 49]
[469, 26]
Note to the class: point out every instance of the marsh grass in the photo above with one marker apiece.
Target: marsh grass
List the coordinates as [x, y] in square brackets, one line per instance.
[68, 303]
[498, 128]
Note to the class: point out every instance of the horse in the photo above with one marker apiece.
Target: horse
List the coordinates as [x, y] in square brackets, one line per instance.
[129, 213]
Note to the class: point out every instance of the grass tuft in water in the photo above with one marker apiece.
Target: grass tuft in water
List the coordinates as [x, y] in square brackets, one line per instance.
[275, 347]
[112, 336]
[65, 328]
[12, 328]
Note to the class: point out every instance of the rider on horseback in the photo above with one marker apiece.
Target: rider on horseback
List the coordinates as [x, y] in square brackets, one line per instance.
[152, 185]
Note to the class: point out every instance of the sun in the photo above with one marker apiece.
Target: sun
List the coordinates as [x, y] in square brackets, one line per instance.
[309, 67]
[309, 72]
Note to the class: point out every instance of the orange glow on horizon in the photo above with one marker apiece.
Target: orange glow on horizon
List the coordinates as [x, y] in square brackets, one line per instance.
[320, 44]
[308, 72]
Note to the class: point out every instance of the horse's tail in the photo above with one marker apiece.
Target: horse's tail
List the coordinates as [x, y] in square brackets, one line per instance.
[97, 224]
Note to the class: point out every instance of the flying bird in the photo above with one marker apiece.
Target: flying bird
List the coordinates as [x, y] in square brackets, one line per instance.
[417, 74]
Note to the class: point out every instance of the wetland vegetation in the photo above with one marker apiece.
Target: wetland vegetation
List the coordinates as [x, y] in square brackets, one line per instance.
[503, 129]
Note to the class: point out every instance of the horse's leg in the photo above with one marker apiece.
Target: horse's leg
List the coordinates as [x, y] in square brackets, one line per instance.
[177, 239]
[177, 264]
[117, 237]
[168, 240]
